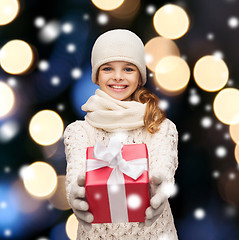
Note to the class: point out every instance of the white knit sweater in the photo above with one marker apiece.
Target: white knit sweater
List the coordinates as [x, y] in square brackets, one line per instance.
[162, 150]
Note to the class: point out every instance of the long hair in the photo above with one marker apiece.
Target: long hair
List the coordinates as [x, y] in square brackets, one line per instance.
[153, 115]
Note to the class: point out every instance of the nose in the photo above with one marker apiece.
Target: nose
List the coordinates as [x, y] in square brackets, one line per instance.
[118, 76]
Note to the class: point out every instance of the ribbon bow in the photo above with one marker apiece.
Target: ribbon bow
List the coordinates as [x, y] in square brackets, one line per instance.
[111, 156]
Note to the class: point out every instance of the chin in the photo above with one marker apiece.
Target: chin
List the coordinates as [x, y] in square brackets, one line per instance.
[118, 97]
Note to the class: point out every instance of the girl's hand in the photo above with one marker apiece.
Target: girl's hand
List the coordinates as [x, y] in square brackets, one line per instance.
[79, 204]
[157, 202]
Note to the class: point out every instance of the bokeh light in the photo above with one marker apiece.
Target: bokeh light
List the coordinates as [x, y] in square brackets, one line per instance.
[7, 99]
[211, 73]
[8, 130]
[58, 200]
[107, 5]
[39, 22]
[102, 19]
[134, 201]
[40, 179]
[172, 75]
[199, 213]
[233, 22]
[49, 32]
[127, 10]
[234, 132]
[237, 153]
[169, 189]
[46, 127]
[226, 107]
[157, 48]
[8, 11]
[171, 21]
[206, 122]
[150, 9]
[186, 137]
[220, 151]
[71, 227]
[43, 65]
[16, 63]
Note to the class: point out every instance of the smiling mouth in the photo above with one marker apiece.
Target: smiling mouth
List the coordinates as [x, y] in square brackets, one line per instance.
[118, 86]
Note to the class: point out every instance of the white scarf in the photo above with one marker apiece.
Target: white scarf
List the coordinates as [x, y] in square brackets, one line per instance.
[113, 115]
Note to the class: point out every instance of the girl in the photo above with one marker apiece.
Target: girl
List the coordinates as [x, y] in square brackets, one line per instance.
[123, 107]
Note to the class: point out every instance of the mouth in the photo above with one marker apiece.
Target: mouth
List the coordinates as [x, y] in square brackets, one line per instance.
[118, 88]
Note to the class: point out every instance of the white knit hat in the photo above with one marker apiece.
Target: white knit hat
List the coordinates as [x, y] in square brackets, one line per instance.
[118, 45]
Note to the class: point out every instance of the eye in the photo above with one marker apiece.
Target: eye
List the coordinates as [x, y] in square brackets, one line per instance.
[128, 69]
[107, 69]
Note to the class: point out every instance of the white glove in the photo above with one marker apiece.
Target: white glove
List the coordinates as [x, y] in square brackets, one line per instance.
[79, 204]
[157, 201]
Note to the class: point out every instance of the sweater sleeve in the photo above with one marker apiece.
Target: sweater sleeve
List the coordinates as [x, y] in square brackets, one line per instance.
[76, 142]
[163, 151]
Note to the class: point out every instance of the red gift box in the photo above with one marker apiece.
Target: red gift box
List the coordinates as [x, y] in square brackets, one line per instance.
[113, 200]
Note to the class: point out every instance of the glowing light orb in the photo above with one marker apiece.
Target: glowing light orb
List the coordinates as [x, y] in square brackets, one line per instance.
[107, 5]
[206, 122]
[7, 99]
[194, 99]
[43, 65]
[59, 200]
[97, 196]
[102, 19]
[150, 9]
[71, 227]
[71, 48]
[186, 137]
[218, 54]
[55, 81]
[157, 48]
[171, 21]
[233, 22]
[211, 73]
[216, 174]
[163, 104]
[39, 22]
[226, 107]
[7, 233]
[234, 132]
[134, 201]
[172, 74]
[40, 179]
[210, 36]
[169, 189]
[221, 152]
[16, 57]
[199, 213]
[237, 153]
[114, 188]
[46, 127]
[67, 28]
[49, 32]
[8, 11]
[8, 130]
[76, 73]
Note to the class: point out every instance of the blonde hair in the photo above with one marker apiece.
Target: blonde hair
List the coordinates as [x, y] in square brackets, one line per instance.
[153, 115]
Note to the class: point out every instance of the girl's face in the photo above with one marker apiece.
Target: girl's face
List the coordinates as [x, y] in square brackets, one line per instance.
[119, 79]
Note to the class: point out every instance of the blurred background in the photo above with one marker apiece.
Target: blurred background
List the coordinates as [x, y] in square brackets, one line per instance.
[45, 76]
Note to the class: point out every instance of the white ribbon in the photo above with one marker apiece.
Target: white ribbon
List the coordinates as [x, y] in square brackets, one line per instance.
[111, 156]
